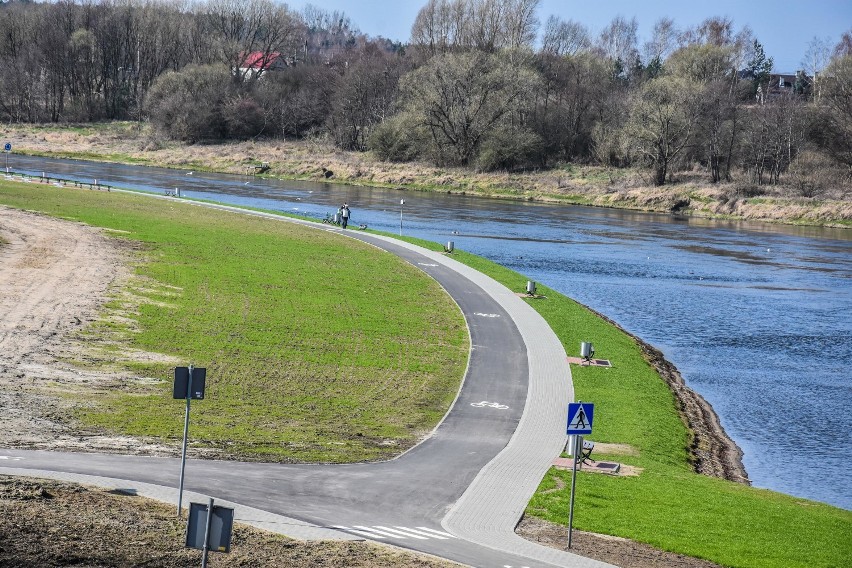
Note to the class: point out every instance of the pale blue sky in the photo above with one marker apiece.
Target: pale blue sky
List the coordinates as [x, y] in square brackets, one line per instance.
[783, 27]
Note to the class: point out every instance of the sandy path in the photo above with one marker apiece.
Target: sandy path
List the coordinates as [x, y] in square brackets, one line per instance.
[54, 278]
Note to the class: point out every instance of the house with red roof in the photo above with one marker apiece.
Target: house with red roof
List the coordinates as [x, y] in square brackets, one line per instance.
[257, 63]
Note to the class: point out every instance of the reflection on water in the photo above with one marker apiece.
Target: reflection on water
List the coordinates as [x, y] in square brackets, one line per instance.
[756, 316]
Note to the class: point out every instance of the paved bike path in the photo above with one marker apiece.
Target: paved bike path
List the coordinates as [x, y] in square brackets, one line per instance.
[473, 476]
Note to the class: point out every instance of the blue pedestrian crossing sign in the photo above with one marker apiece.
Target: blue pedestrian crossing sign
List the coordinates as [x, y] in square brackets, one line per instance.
[7, 147]
[580, 416]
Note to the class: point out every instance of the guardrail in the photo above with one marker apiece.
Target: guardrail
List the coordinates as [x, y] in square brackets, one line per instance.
[57, 181]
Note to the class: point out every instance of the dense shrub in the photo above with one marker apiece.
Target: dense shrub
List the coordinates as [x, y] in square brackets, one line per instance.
[395, 140]
[188, 104]
[508, 148]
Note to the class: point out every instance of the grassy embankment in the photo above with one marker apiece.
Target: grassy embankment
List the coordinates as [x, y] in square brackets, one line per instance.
[317, 348]
[691, 194]
[667, 505]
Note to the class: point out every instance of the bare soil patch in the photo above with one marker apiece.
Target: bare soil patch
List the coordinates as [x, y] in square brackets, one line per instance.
[55, 276]
[52, 523]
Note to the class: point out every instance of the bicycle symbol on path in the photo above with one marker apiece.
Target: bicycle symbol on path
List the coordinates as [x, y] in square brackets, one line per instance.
[485, 403]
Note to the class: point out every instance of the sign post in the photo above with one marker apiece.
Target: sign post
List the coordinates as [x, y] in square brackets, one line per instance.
[579, 423]
[7, 148]
[189, 384]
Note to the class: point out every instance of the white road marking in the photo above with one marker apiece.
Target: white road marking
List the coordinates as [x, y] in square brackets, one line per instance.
[426, 264]
[13, 458]
[368, 534]
[487, 315]
[374, 530]
[438, 534]
[401, 533]
[485, 403]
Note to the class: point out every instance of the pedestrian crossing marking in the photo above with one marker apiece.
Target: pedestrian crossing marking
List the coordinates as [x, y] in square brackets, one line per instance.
[358, 532]
[381, 532]
[401, 533]
[429, 533]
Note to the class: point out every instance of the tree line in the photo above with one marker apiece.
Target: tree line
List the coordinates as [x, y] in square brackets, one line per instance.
[480, 83]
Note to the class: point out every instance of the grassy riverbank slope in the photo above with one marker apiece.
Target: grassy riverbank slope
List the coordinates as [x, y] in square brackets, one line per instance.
[666, 505]
[135, 143]
[317, 348]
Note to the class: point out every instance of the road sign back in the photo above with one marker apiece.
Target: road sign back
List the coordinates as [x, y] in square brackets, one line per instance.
[580, 415]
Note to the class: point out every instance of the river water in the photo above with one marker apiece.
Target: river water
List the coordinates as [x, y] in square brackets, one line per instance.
[757, 317]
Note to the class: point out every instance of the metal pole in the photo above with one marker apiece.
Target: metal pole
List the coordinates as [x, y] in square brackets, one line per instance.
[185, 432]
[401, 203]
[576, 454]
[207, 533]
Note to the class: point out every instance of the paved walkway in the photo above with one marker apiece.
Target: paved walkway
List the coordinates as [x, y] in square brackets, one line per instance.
[493, 504]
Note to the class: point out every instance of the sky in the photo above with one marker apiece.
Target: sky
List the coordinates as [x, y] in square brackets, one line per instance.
[784, 27]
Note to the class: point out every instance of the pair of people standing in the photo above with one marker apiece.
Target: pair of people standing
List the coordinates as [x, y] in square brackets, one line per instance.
[343, 215]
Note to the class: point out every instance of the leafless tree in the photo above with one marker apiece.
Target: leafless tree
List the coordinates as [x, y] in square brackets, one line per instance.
[242, 27]
[664, 40]
[486, 25]
[815, 60]
[618, 41]
[460, 98]
[565, 37]
[662, 118]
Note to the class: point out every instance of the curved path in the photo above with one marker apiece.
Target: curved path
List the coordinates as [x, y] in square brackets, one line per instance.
[458, 494]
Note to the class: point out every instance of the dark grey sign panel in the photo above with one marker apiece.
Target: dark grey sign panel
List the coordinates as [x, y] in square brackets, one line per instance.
[220, 527]
[199, 378]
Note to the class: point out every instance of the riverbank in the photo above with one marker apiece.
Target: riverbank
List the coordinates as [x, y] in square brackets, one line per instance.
[712, 451]
[316, 160]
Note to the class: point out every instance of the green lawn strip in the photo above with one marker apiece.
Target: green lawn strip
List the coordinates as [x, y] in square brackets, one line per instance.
[667, 505]
[318, 348]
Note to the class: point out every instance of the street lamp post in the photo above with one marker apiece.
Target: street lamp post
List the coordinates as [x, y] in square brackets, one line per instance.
[401, 203]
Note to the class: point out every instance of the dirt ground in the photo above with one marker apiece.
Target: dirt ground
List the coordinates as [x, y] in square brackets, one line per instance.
[611, 549]
[55, 276]
[50, 523]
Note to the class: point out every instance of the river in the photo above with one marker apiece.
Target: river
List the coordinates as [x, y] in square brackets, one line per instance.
[757, 317]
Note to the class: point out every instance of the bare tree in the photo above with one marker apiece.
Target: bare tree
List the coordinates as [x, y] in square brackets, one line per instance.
[243, 27]
[460, 98]
[618, 40]
[833, 130]
[487, 25]
[664, 40]
[815, 61]
[844, 46]
[565, 37]
[662, 118]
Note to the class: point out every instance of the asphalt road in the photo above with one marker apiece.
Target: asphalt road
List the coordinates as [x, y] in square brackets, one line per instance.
[403, 501]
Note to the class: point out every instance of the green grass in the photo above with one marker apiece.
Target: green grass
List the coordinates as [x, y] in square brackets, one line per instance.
[318, 348]
[667, 505]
